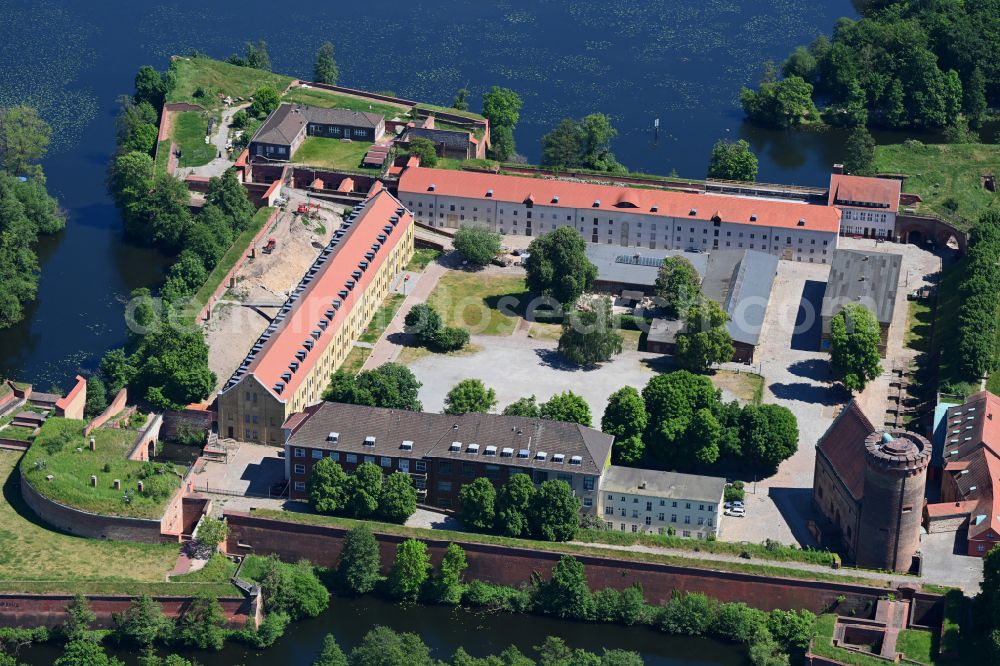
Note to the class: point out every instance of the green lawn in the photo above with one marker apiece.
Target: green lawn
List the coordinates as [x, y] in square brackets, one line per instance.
[748, 387]
[320, 151]
[946, 176]
[19, 433]
[458, 165]
[162, 156]
[447, 109]
[421, 258]
[382, 317]
[331, 100]
[189, 130]
[918, 325]
[915, 644]
[239, 249]
[217, 79]
[470, 300]
[54, 453]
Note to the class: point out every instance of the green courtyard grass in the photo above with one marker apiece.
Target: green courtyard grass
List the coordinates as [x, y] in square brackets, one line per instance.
[421, 258]
[189, 130]
[382, 317]
[320, 151]
[162, 156]
[216, 79]
[18, 433]
[918, 325]
[472, 115]
[747, 387]
[330, 100]
[54, 452]
[914, 644]
[470, 300]
[946, 176]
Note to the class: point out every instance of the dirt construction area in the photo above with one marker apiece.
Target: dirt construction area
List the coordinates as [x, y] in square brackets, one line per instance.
[263, 283]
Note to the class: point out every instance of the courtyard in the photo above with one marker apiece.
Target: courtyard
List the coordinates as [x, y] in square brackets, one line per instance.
[319, 151]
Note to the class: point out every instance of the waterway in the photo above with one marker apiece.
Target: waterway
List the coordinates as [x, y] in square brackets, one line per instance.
[681, 61]
[447, 629]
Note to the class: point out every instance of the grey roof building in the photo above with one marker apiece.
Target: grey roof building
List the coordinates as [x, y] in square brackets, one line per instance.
[624, 269]
[285, 129]
[669, 485]
[741, 281]
[868, 278]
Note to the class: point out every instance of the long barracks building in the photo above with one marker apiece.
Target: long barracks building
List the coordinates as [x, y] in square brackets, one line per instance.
[625, 216]
[290, 364]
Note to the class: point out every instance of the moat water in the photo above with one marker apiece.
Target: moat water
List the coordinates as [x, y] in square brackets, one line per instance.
[682, 61]
[445, 630]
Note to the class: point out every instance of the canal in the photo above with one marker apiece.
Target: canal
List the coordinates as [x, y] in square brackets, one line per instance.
[682, 61]
[445, 630]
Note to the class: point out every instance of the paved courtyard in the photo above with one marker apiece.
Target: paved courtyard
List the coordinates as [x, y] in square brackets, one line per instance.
[252, 470]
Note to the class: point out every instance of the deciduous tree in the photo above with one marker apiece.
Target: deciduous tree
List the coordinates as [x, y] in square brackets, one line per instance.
[513, 505]
[859, 157]
[265, 100]
[477, 244]
[150, 86]
[390, 385]
[523, 407]
[24, 140]
[327, 487]
[589, 336]
[678, 285]
[625, 417]
[364, 490]
[704, 340]
[566, 406]
[331, 654]
[326, 70]
[360, 566]
[733, 161]
[558, 266]
[424, 149]
[554, 513]
[566, 593]
[202, 625]
[855, 337]
[469, 395]
[478, 504]
[399, 498]
[410, 570]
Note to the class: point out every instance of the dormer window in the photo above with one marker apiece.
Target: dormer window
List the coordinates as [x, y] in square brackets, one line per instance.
[490, 451]
[507, 452]
[455, 447]
[489, 193]
[541, 456]
[431, 187]
[407, 445]
[802, 222]
[333, 437]
[576, 460]
[597, 203]
[693, 211]
[472, 449]
[370, 440]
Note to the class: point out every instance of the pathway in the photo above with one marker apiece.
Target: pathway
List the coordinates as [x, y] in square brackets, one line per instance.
[220, 164]
[420, 286]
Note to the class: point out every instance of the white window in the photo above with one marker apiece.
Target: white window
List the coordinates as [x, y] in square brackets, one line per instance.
[317, 454]
[300, 469]
[352, 457]
[386, 462]
[300, 486]
[300, 453]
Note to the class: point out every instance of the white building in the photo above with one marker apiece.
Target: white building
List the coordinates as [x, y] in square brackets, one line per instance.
[642, 500]
[868, 206]
[625, 216]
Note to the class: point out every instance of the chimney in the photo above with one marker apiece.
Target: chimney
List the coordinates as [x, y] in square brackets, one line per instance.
[141, 486]
[93, 444]
[838, 168]
[93, 480]
[118, 484]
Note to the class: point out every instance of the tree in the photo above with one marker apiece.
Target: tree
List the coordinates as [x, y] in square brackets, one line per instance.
[793, 629]
[97, 396]
[557, 265]
[265, 100]
[390, 385]
[448, 338]
[502, 106]
[130, 180]
[83, 652]
[855, 337]
[167, 213]
[780, 104]
[293, 589]
[704, 340]
[554, 513]
[461, 101]
[326, 70]
[596, 149]
[566, 406]
[477, 245]
[589, 336]
[671, 402]
[399, 498]
[171, 368]
[202, 625]
[360, 566]
[705, 431]
[230, 197]
[24, 140]
[79, 619]
[513, 505]
[523, 407]
[143, 623]
[566, 594]
[384, 647]
[364, 490]
[424, 149]
[211, 533]
[974, 103]
[502, 144]
[959, 132]
[331, 654]
[765, 651]
[859, 151]
[257, 56]
[410, 570]
[625, 417]
[327, 487]
[688, 615]
[422, 321]
[150, 86]
[733, 161]
[469, 395]
[769, 435]
[678, 285]
[448, 582]
[801, 63]
[477, 501]
[561, 148]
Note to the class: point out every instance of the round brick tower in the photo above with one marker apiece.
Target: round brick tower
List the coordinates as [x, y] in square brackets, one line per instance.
[892, 505]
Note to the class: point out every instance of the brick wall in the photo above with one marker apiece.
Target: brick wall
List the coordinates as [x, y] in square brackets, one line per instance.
[114, 409]
[92, 525]
[197, 420]
[32, 610]
[514, 566]
[147, 439]
[71, 405]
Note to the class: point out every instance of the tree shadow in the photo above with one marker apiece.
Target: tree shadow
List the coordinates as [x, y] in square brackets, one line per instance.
[553, 359]
[815, 369]
[809, 393]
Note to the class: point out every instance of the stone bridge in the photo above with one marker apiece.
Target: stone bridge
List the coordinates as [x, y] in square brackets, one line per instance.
[919, 229]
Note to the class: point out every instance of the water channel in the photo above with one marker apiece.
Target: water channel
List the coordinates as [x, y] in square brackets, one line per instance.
[447, 629]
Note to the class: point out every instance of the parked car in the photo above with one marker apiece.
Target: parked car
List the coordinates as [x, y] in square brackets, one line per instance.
[736, 512]
[921, 294]
[735, 504]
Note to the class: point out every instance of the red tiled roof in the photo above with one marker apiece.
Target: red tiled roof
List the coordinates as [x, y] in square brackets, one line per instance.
[346, 185]
[661, 203]
[273, 359]
[843, 444]
[943, 509]
[972, 460]
[864, 189]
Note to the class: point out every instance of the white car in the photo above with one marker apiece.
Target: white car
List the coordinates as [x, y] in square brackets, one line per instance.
[736, 512]
[735, 504]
